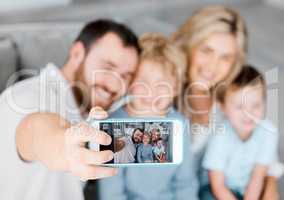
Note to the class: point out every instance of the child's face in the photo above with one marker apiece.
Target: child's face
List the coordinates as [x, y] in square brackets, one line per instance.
[160, 143]
[244, 107]
[153, 89]
[146, 139]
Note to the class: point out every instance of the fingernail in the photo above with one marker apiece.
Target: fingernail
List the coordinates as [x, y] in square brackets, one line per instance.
[95, 111]
[92, 112]
[109, 140]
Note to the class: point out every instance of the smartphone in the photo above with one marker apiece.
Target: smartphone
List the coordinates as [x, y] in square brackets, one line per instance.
[143, 142]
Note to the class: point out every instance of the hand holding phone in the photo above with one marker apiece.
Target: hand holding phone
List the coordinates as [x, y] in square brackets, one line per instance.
[82, 162]
[137, 141]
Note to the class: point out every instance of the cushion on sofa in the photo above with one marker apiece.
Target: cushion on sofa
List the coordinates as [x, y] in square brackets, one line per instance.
[8, 60]
[39, 47]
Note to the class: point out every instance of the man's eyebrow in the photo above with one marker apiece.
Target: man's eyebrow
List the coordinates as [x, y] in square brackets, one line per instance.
[109, 63]
[130, 73]
[208, 47]
[228, 55]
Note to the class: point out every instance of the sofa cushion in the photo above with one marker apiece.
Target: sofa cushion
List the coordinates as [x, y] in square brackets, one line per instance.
[42, 45]
[8, 60]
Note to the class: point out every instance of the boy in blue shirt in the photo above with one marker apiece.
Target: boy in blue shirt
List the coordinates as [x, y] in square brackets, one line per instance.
[153, 91]
[237, 160]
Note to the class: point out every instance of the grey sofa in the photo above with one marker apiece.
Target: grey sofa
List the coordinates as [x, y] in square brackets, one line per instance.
[32, 39]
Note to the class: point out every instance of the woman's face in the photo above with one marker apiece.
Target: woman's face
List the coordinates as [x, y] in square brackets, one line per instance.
[212, 60]
[155, 135]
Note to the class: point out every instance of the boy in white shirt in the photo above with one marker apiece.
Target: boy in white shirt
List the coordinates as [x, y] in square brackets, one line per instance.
[237, 160]
[159, 151]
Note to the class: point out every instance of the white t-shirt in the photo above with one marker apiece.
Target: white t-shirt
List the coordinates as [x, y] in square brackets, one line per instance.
[48, 91]
[127, 154]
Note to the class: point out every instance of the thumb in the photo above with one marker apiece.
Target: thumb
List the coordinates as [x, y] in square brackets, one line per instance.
[97, 113]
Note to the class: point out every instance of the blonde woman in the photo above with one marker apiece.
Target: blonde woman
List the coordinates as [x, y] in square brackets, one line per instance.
[215, 41]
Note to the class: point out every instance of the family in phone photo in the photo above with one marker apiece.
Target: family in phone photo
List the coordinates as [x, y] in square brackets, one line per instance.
[138, 142]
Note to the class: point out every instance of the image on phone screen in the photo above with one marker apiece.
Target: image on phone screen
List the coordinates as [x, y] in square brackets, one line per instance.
[139, 142]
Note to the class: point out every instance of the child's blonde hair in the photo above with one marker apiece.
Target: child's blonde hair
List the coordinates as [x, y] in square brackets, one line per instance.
[156, 47]
[149, 137]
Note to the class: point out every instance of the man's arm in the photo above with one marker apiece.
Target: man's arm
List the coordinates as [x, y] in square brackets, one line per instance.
[50, 139]
[219, 189]
[255, 186]
[34, 135]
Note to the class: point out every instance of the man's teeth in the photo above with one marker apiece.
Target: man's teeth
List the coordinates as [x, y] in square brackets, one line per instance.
[104, 93]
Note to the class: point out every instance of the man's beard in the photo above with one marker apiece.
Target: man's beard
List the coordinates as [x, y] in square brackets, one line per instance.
[80, 92]
[83, 93]
[136, 141]
[102, 97]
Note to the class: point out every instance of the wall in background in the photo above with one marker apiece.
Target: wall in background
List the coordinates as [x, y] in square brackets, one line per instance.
[9, 5]
[276, 3]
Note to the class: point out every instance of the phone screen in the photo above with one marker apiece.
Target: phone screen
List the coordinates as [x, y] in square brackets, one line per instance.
[139, 142]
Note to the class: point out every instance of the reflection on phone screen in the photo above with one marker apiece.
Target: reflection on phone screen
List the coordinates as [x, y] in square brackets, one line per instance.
[139, 142]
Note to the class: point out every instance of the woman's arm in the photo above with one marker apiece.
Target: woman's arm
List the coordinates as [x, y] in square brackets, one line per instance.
[255, 186]
[219, 189]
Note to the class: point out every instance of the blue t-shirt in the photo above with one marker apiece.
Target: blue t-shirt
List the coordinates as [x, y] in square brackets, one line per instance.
[236, 158]
[153, 182]
[145, 153]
